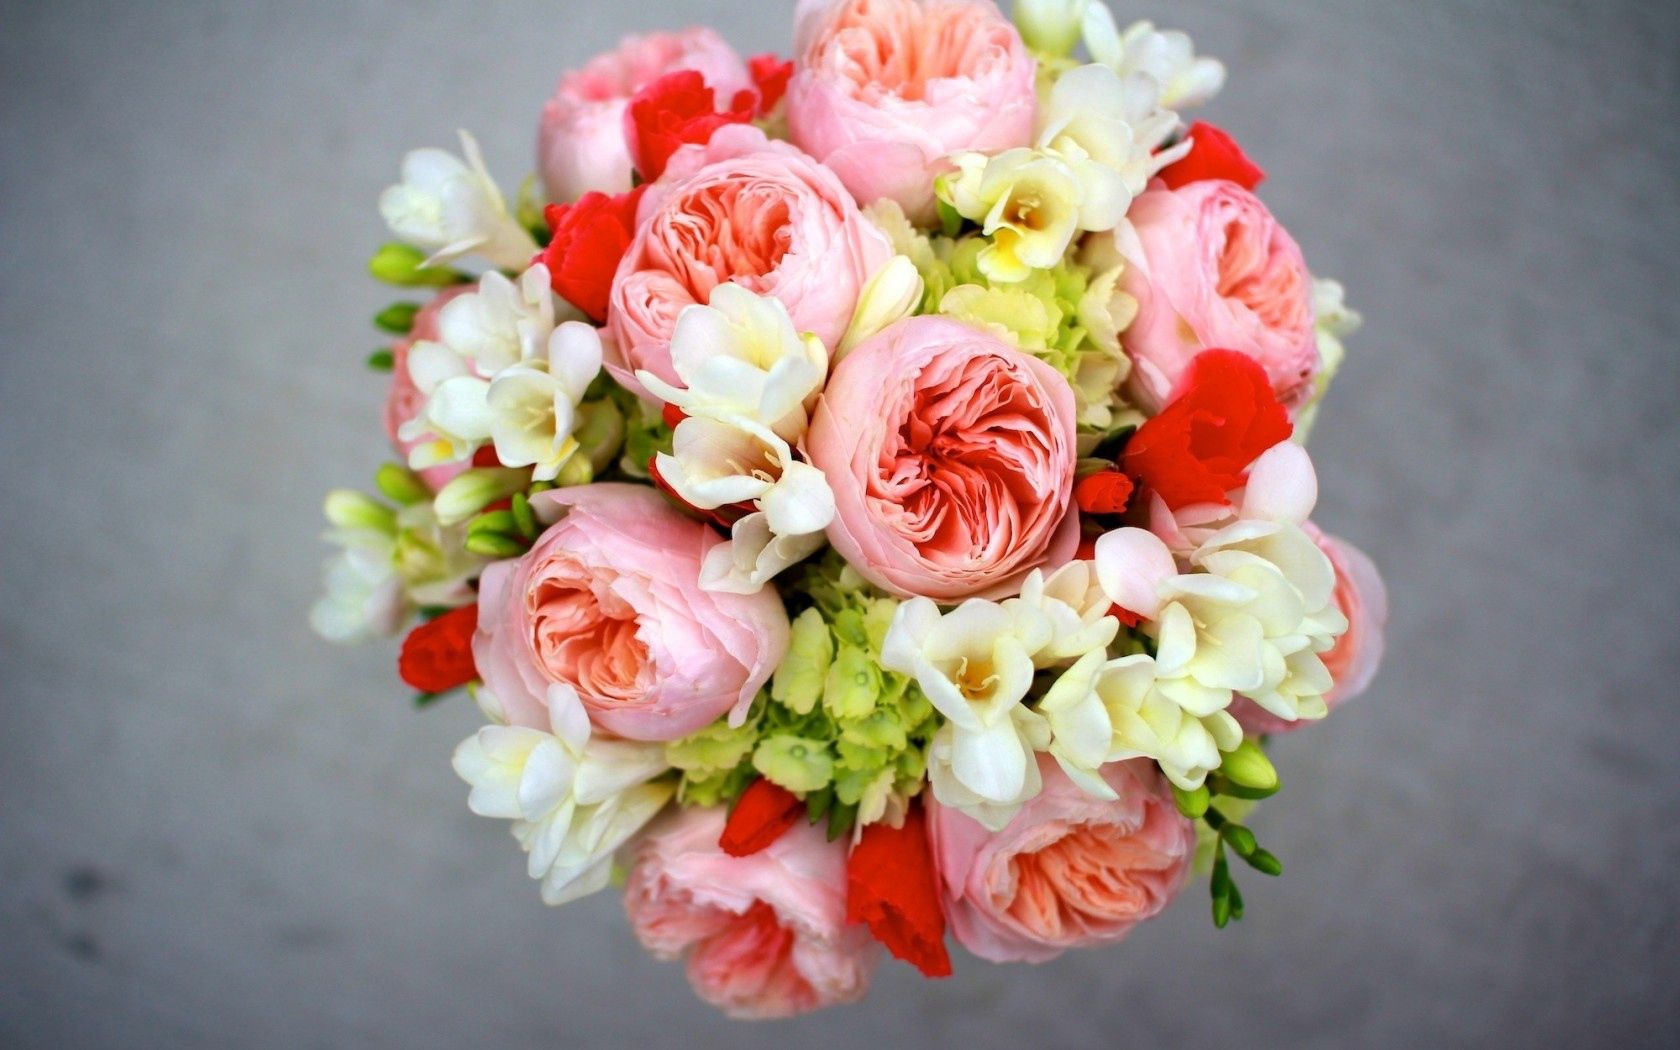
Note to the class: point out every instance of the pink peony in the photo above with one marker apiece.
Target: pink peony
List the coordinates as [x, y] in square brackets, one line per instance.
[1069, 871]
[884, 91]
[608, 601]
[951, 457]
[580, 142]
[1210, 267]
[744, 209]
[1353, 661]
[404, 400]
[766, 934]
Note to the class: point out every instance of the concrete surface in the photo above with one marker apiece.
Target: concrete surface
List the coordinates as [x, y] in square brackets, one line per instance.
[217, 831]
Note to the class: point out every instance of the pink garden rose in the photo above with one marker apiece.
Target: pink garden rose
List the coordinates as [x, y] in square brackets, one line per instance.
[766, 934]
[608, 601]
[744, 209]
[951, 457]
[1352, 663]
[404, 400]
[1069, 871]
[883, 91]
[580, 142]
[1210, 267]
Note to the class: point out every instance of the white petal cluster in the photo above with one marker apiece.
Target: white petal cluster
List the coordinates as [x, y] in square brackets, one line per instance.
[1165, 57]
[1246, 612]
[451, 207]
[503, 372]
[392, 561]
[574, 799]
[749, 381]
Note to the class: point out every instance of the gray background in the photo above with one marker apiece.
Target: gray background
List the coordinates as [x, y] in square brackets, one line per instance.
[215, 829]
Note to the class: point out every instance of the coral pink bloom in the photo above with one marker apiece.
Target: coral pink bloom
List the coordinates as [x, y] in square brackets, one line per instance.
[951, 458]
[608, 601]
[1210, 267]
[1353, 662]
[765, 934]
[744, 209]
[885, 90]
[580, 142]
[1069, 870]
[404, 400]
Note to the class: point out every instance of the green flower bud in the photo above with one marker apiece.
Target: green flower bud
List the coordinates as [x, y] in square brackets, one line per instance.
[1191, 803]
[796, 763]
[405, 265]
[492, 521]
[798, 682]
[575, 471]
[398, 318]
[1264, 862]
[1248, 767]
[382, 360]
[400, 485]
[349, 509]
[524, 519]
[1240, 839]
[599, 432]
[476, 488]
[494, 545]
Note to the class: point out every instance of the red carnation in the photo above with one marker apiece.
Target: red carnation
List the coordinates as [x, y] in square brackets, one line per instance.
[1213, 155]
[1222, 416]
[673, 111]
[891, 885]
[1105, 492]
[762, 813]
[589, 238]
[770, 75]
[437, 655]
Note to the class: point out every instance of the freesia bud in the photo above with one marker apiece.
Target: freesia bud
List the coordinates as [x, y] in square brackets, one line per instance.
[575, 471]
[1248, 768]
[892, 293]
[348, 509]
[1051, 27]
[473, 490]
[405, 265]
[400, 485]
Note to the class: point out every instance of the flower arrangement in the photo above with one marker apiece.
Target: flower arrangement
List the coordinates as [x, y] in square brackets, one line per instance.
[868, 501]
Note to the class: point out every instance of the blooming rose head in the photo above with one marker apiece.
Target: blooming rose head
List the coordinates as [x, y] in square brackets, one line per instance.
[580, 143]
[885, 90]
[747, 210]
[951, 458]
[1210, 267]
[1353, 661]
[765, 934]
[608, 601]
[1068, 871]
[404, 400]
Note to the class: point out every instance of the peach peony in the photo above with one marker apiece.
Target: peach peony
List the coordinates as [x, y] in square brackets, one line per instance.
[1210, 267]
[1068, 871]
[608, 601]
[744, 209]
[951, 457]
[580, 142]
[1352, 663]
[404, 400]
[765, 934]
[884, 91]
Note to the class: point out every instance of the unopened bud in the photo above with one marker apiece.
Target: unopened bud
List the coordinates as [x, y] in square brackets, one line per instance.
[472, 490]
[349, 509]
[400, 485]
[405, 265]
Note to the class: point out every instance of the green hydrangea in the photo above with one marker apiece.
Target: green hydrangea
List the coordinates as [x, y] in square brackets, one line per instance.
[834, 727]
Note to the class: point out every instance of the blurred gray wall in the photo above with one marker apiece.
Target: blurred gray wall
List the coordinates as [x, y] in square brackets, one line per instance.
[216, 830]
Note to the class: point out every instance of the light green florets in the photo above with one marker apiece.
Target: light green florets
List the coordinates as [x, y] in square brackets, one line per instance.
[833, 728]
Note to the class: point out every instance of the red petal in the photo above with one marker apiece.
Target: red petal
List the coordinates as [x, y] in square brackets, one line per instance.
[437, 656]
[762, 813]
[892, 887]
[1105, 492]
[1213, 155]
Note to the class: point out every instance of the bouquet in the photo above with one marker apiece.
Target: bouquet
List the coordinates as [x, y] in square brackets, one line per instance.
[864, 493]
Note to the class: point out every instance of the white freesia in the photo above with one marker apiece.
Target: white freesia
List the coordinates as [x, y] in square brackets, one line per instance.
[740, 355]
[1029, 202]
[716, 462]
[451, 207]
[1028, 731]
[1112, 132]
[392, 561]
[533, 406]
[975, 665]
[1074, 603]
[892, 292]
[455, 419]
[503, 323]
[575, 799]
[1103, 711]
[754, 555]
[1166, 57]
[1335, 321]
[1052, 27]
